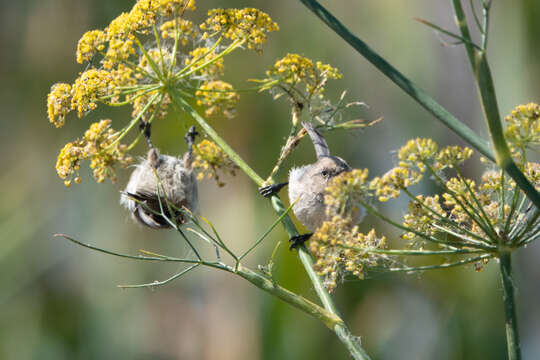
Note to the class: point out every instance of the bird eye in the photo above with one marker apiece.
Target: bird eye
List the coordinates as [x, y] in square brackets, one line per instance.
[324, 173]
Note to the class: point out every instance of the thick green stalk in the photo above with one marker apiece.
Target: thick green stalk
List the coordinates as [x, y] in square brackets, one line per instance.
[490, 108]
[339, 328]
[400, 80]
[512, 335]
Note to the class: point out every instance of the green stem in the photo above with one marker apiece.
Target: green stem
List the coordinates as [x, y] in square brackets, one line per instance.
[328, 318]
[340, 328]
[512, 335]
[490, 108]
[419, 95]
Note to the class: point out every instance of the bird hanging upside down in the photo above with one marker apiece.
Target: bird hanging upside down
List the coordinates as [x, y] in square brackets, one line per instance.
[162, 178]
[307, 185]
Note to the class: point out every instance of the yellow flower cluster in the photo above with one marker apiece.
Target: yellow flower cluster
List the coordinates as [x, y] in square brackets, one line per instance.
[452, 156]
[420, 217]
[88, 87]
[338, 246]
[59, 103]
[185, 29]
[340, 249]
[523, 126]
[141, 102]
[417, 152]
[90, 44]
[218, 97]
[209, 158]
[294, 69]
[390, 184]
[203, 55]
[343, 192]
[99, 145]
[424, 152]
[249, 25]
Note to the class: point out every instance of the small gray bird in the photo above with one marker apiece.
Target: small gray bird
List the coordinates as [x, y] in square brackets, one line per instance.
[307, 186]
[177, 184]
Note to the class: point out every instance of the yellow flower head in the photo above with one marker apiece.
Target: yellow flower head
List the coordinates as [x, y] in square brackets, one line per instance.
[523, 126]
[185, 29]
[99, 145]
[452, 156]
[204, 55]
[209, 158]
[217, 96]
[90, 44]
[390, 184]
[417, 152]
[294, 69]
[423, 214]
[340, 249]
[249, 25]
[59, 103]
[344, 190]
[88, 87]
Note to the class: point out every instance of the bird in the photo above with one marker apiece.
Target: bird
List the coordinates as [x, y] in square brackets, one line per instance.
[307, 185]
[159, 179]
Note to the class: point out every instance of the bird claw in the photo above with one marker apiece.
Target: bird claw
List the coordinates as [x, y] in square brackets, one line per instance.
[299, 240]
[269, 190]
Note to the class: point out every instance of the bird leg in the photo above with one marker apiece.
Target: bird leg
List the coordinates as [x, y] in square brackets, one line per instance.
[190, 140]
[299, 240]
[144, 127]
[272, 189]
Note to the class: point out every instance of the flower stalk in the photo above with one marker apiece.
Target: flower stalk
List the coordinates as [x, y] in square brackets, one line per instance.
[512, 334]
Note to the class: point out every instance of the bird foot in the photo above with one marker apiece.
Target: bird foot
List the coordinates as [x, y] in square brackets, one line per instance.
[270, 190]
[299, 240]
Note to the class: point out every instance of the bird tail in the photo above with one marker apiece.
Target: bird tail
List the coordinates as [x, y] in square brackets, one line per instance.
[321, 147]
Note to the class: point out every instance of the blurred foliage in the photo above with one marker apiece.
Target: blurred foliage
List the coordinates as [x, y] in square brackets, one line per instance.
[60, 301]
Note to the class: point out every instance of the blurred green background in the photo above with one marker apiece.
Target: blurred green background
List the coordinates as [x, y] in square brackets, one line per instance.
[60, 301]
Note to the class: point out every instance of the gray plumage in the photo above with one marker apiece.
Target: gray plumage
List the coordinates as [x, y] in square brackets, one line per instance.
[177, 180]
[308, 183]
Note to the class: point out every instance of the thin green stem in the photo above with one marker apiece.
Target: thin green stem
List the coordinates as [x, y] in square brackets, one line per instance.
[446, 32]
[441, 266]
[419, 95]
[278, 220]
[127, 256]
[159, 283]
[412, 252]
[475, 15]
[512, 334]
[485, 15]
[151, 61]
